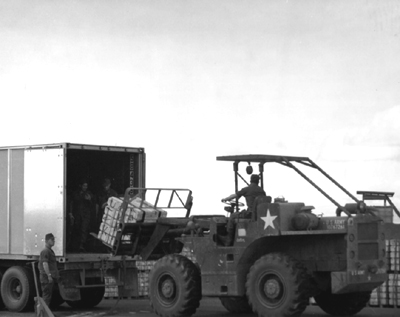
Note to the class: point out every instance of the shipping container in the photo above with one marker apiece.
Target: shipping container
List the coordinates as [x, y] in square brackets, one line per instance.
[36, 185]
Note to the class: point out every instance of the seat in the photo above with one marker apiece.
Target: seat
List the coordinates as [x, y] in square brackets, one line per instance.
[261, 199]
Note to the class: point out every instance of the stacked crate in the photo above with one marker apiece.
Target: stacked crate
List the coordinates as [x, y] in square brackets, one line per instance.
[151, 213]
[111, 289]
[379, 296]
[109, 226]
[393, 283]
[136, 211]
[385, 212]
[394, 290]
[393, 248]
[388, 294]
[144, 268]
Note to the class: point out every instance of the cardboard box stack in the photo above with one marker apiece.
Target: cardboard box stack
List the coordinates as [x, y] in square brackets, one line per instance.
[388, 294]
[138, 210]
[379, 296]
[111, 289]
[393, 252]
[144, 268]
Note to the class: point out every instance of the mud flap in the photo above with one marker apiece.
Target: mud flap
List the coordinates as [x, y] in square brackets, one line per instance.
[66, 285]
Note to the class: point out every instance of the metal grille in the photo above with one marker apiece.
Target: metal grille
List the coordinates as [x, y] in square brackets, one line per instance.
[368, 251]
[367, 231]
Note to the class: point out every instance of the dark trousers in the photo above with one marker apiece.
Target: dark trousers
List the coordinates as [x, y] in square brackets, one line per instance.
[233, 219]
[80, 232]
[47, 291]
[85, 224]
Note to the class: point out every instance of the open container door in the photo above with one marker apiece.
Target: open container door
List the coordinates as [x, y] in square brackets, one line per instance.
[43, 198]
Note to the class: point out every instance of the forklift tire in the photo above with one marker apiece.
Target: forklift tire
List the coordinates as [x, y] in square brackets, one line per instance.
[277, 285]
[18, 289]
[174, 287]
[236, 305]
[342, 304]
[90, 297]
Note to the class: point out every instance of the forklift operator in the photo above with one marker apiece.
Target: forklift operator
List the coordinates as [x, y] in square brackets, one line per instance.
[250, 192]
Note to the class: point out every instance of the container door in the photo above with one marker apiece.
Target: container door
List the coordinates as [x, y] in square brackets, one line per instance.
[43, 199]
[4, 214]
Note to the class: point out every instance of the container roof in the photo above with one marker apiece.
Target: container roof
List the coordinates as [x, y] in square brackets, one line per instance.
[76, 146]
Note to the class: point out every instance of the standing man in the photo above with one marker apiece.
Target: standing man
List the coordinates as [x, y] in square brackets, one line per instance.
[48, 268]
[250, 193]
[103, 197]
[82, 206]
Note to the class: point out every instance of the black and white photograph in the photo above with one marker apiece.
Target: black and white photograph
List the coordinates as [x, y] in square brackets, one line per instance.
[180, 158]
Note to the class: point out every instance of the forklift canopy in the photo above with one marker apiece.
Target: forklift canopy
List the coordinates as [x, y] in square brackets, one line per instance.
[262, 158]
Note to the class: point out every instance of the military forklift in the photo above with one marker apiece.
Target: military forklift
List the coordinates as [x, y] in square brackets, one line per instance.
[281, 256]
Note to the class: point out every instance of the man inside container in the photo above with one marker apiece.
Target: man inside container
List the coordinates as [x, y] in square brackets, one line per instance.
[250, 193]
[48, 269]
[82, 206]
[102, 200]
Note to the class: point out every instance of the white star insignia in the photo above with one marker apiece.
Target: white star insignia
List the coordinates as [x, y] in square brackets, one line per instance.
[269, 220]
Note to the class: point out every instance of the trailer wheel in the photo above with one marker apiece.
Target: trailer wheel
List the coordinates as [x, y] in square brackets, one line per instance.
[174, 287]
[90, 297]
[277, 285]
[236, 305]
[1, 300]
[17, 289]
[342, 304]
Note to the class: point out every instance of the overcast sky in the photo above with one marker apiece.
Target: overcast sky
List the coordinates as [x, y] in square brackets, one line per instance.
[192, 80]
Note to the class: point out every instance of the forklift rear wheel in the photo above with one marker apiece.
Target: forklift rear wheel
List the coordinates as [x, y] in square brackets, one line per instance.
[17, 289]
[175, 287]
[236, 305]
[90, 297]
[277, 286]
[342, 304]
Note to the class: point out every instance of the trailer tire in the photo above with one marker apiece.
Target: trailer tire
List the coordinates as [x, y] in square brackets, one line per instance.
[174, 287]
[236, 305]
[1, 300]
[277, 285]
[90, 297]
[342, 304]
[17, 289]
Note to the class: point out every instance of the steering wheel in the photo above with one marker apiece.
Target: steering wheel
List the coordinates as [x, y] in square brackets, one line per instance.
[233, 203]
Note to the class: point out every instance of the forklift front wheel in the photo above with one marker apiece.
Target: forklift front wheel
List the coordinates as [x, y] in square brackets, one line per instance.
[175, 288]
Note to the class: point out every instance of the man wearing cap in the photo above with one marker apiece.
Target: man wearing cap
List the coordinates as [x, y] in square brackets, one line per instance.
[249, 193]
[48, 268]
[103, 197]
